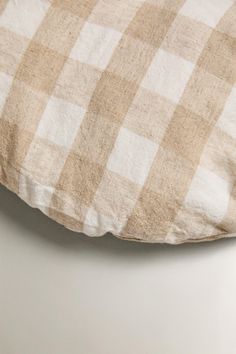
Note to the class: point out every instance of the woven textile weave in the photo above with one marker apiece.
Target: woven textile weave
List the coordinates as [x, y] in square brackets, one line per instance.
[120, 115]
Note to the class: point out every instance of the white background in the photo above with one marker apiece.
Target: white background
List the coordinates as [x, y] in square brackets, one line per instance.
[64, 293]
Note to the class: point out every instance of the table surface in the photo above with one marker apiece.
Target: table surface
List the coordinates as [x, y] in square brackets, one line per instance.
[65, 293]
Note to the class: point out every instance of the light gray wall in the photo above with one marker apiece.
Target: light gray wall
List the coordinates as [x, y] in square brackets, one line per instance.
[64, 293]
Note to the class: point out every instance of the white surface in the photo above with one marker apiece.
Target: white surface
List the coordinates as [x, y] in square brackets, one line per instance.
[63, 293]
[60, 122]
[209, 195]
[132, 156]
[206, 11]
[5, 85]
[99, 56]
[227, 121]
[168, 75]
[24, 19]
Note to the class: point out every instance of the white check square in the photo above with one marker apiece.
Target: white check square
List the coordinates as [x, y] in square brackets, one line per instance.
[208, 195]
[206, 11]
[33, 192]
[5, 85]
[24, 16]
[96, 224]
[168, 75]
[227, 120]
[95, 45]
[60, 122]
[132, 156]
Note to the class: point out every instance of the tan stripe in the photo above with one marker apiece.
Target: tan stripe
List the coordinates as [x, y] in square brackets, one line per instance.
[24, 107]
[77, 82]
[219, 57]
[127, 52]
[40, 67]
[151, 24]
[67, 25]
[37, 74]
[64, 219]
[79, 179]
[149, 105]
[3, 4]
[205, 95]
[178, 157]
[12, 48]
[81, 8]
[114, 14]
[186, 38]
[228, 23]
[172, 5]
[10, 154]
[115, 196]
[113, 96]
[67, 211]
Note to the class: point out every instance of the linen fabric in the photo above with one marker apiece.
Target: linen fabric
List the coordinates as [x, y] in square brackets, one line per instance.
[120, 115]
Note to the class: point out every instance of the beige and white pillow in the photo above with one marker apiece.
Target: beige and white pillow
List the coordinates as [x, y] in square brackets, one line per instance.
[120, 115]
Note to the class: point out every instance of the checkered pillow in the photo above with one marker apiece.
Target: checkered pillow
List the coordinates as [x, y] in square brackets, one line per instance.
[120, 115]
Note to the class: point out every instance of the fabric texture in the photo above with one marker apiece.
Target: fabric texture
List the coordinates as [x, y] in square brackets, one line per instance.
[120, 115]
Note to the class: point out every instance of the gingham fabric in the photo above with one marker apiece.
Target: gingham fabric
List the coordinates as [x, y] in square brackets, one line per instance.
[120, 115]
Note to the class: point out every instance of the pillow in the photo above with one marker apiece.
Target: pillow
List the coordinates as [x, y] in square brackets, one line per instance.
[120, 115]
